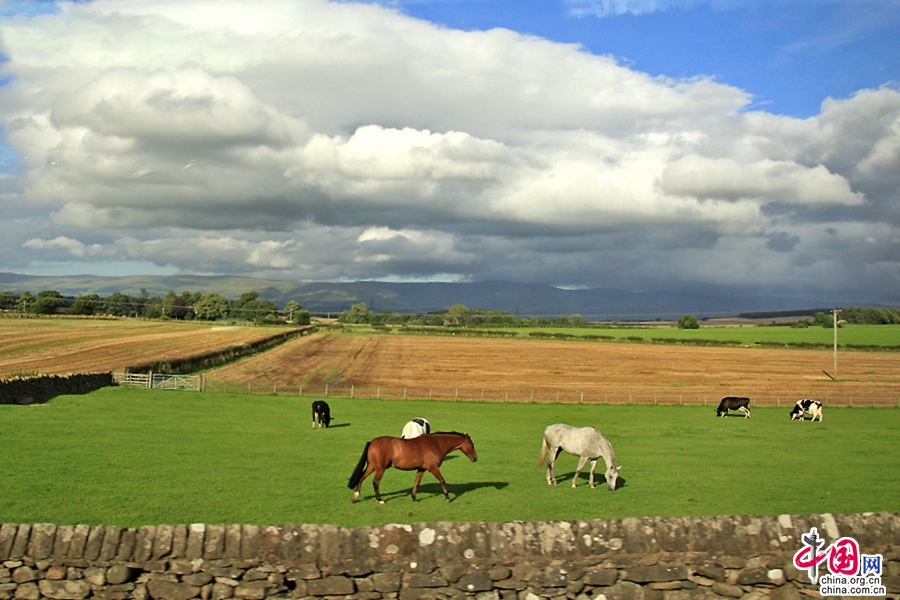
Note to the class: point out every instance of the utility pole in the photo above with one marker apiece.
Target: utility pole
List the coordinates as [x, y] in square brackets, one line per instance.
[835, 311]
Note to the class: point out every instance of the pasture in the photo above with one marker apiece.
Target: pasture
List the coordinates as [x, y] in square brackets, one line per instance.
[525, 370]
[131, 457]
[59, 346]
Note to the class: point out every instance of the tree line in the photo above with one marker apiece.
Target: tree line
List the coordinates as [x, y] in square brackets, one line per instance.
[188, 306]
[458, 315]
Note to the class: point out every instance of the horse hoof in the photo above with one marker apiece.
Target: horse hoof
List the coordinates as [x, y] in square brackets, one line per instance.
[446, 499]
[381, 502]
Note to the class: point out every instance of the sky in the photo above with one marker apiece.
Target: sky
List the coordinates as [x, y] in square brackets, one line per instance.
[740, 146]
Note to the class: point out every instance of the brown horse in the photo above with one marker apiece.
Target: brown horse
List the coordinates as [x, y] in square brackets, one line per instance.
[422, 453]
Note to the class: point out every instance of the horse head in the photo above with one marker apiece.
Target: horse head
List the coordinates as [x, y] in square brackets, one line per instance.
[468, 448]
[612, 476]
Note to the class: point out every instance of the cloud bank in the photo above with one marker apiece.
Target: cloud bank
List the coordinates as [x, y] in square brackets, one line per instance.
[337, 141]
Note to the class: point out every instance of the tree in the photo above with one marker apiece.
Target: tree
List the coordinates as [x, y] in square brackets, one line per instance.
[25, 301]
[290, 308]
[357, 314]
[688, 322]
[7, 301]
[46, 303]
[211, 306]
[84, 305]
[576, 320]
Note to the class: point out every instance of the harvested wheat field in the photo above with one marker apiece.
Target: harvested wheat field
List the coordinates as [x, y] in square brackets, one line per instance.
[62, 346]
[397, 366]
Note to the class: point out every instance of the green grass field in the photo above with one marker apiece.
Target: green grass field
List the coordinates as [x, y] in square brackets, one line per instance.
[132, 457]
[859, 335]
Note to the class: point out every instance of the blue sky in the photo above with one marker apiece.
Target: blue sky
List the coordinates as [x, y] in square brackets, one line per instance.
[726, 145]
[790, 55]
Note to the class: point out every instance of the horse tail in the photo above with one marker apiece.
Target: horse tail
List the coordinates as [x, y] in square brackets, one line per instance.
[543, 456]
[360, 467]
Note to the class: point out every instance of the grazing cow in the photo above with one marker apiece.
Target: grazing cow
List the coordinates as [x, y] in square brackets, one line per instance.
[733, 403]
[321, 414]
[807, 407]
[415, 428]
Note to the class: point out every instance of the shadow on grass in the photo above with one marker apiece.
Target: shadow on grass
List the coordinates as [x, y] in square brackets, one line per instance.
[433, 489]
[584, 478]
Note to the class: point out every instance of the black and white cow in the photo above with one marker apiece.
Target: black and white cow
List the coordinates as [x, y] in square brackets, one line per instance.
[807, 407]
[733, 403]
[321, 414]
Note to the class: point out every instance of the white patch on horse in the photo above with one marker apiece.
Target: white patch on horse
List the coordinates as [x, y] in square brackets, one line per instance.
[415, 428]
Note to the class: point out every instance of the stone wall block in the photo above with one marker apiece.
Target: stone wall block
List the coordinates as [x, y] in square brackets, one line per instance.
[214, 542]
[40, 542]
[386, 582]
[233, 541]
[250, 541]
[94, 542]
[143, 545]
[127, 541]
[654, 574]
[635, 536]
[79, 540]
[293, 539]
[668, 534]
[424, 580]
[162, 589]
[179, 542]
[162, 542]
[65, 589]
[62, 540]
[477, 581]
[110, 545]
[20, 543]
[195, 536]
[8, 533]
[337, 585]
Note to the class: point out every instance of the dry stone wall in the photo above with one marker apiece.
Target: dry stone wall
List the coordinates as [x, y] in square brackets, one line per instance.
[28, 390]
[606, 559]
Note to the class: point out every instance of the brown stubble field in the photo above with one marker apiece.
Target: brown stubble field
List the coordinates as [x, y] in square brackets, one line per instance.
[63, 346]
[567, 371]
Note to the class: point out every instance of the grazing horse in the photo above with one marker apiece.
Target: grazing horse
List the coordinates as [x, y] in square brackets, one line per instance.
[415, 428]
[733, 403]
[423, 453]
[807, 407]
[585, 442]
[321, 414]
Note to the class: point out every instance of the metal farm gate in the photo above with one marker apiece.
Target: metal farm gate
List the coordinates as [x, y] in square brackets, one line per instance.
[160, 381]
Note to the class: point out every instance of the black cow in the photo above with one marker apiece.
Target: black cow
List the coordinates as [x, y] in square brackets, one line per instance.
[321, 414]
[733, 403]
[807, 407]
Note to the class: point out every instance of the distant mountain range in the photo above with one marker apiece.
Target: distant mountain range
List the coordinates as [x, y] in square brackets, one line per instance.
[516, 298]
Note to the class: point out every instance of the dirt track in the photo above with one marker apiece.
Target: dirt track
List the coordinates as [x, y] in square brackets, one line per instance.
[522, 370]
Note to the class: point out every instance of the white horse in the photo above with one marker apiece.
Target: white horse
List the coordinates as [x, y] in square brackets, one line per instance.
[415, 428]
[584, 442]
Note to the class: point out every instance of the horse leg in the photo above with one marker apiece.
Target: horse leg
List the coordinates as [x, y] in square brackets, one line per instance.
[593, 466]
[437, 473]
[376, 481]
[416, 484]
[581, 462]
[551, 461]
[367, 472]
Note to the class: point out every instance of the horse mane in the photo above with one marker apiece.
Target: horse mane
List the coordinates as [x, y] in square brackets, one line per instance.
[450, 433]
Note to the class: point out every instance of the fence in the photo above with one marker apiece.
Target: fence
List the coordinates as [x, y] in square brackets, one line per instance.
[160, 381]
[618, 395]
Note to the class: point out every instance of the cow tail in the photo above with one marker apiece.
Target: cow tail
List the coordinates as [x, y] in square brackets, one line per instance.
[543, 455]
[360, 467]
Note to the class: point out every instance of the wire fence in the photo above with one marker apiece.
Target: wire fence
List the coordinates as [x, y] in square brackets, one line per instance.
[618, 395]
